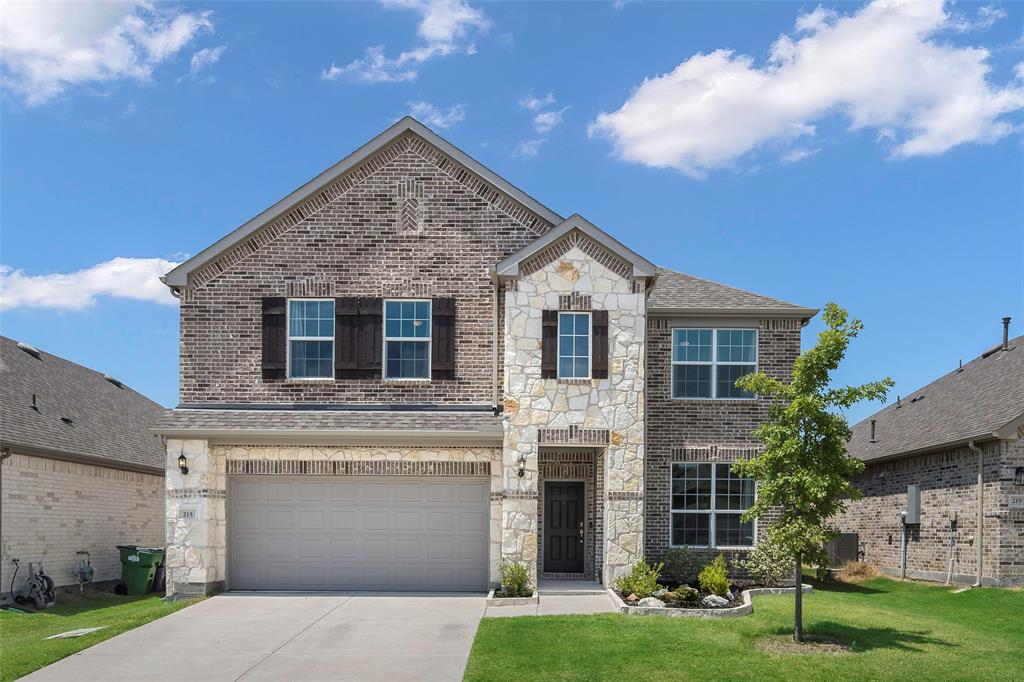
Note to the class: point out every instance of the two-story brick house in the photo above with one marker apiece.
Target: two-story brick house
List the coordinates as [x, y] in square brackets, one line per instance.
[408, 370]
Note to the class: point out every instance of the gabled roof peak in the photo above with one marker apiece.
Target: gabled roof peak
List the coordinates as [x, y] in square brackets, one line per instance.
[641, 267]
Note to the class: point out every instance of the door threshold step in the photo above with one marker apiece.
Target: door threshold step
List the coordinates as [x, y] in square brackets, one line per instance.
[569, 587]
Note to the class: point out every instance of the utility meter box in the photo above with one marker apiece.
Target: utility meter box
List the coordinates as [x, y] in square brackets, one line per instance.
[913, 512]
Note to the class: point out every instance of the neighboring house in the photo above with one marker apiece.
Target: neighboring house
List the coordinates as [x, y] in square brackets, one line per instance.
[959, 436]
[408, 370]
[81, 470]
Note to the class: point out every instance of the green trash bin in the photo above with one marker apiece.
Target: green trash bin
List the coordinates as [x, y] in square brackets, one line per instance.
[138, 566]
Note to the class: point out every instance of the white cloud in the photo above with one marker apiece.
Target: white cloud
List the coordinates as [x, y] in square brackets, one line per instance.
[432, 116]
[528, 148]
[798, 154]
[134, 278]
[548, 120]
[883, 67]
[531, 103]
[45, 47]
[204, 59]
[444, 29]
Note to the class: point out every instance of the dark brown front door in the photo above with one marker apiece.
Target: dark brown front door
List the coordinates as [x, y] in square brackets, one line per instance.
[563, 527]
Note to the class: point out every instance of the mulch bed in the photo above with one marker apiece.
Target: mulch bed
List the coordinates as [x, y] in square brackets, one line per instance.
[784, 644]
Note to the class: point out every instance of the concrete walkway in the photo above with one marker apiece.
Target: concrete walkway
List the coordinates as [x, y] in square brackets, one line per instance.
[279, 636]
[560, 598]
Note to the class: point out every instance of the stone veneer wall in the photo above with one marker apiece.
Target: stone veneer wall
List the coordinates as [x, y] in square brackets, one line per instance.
[703, 430]
[948, 480]
[351, 241]
[52, 508]
[615, 403]
[196, 518]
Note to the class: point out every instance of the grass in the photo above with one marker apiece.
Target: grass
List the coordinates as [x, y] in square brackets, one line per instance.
[896, 630]
[24, 647]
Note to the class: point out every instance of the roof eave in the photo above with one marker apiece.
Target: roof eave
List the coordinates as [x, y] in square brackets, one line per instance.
[179, 276]
[983, 437]
[79, 458]
[509, 267]
[805, 313]
[340, 436]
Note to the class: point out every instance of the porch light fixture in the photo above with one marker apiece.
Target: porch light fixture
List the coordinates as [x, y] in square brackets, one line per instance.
[522, 465]
[183, 464]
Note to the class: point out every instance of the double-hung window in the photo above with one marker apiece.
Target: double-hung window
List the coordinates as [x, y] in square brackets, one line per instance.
[573, 345]
[707, 501]
[310, 339]
[407, 339]
[707, 362]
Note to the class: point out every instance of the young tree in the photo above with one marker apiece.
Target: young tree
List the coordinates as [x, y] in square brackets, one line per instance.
[804, 470]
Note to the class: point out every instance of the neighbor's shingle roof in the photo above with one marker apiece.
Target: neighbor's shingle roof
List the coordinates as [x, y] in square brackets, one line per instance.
[675, 292]
[963, 405]
[312, 421]
[108, 423]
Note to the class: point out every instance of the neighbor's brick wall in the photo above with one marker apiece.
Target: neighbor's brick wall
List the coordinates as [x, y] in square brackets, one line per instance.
[679, 430]
[52, 508]
[948, 481]
[356, 244]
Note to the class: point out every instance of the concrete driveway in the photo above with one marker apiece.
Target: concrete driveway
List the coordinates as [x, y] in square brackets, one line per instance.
[288, 636]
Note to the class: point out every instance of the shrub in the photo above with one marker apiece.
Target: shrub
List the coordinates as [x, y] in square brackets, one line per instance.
[681, 566]
[769, 562]
[713, 579]
[685, 593]
[641, 581]
[515, 579]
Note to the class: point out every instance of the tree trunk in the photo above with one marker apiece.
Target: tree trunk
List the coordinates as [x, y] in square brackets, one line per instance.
[798, 614]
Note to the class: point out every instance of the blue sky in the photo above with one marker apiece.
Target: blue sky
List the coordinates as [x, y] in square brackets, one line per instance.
[864, 154]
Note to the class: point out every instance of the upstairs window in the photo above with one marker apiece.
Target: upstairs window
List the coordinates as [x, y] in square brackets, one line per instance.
[707, 362]
[573, 345]
[707, 502]
[407, 339]
[310, 339]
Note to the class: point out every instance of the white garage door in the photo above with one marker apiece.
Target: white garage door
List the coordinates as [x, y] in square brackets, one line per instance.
[320, 533]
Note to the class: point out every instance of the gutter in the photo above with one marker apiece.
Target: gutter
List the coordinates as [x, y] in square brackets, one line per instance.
[979, 543]
[804, 313]
[980, 438]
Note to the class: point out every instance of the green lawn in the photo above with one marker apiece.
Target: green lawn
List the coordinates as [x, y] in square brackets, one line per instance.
[23, 647]
[899, 630]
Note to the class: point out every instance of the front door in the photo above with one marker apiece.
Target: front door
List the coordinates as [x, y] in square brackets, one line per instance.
[563, 527]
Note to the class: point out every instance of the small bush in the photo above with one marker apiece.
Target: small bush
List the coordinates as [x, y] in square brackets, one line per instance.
[855, 572]
[515, 579]
[641, 581]
[685, 593]
[681, 566]
[769, 562]
[714, 579]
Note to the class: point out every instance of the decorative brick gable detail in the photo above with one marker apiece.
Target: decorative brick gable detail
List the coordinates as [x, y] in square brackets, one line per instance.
[590, 247]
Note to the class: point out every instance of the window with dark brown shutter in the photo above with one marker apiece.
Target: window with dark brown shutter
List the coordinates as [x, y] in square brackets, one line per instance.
[599, 337]
[549, 345]
[275, 338]
[358, 324]
[442, 339]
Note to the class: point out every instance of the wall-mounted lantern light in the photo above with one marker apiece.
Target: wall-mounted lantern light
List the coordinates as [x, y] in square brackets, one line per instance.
[183, 464]
[522, 465]
[1018, 476]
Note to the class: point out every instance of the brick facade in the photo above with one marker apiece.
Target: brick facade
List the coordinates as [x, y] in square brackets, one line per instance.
[948, 480]
[356, 244]
[53, 508]
[702, 430]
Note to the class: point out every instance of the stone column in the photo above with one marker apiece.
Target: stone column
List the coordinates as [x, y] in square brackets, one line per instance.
[196, 531]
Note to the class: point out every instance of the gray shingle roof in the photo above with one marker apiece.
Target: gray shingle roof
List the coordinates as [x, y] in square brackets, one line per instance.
[406, 423]
[963, 405]
[108, 423]
[675, 292]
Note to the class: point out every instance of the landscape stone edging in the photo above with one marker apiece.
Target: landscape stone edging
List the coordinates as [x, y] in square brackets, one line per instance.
[512, 601]
[746, 608]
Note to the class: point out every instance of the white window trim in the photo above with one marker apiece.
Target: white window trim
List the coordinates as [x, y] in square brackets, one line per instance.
[711, 512]
[713, 363]
[590, 345]
[290, 338]
[429, 340]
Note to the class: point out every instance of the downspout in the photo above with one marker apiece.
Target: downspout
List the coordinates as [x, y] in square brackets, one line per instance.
[494, 343]
[980, 533]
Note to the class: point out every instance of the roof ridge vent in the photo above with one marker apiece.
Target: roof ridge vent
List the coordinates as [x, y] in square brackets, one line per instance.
[31, 350]
[114, 381]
